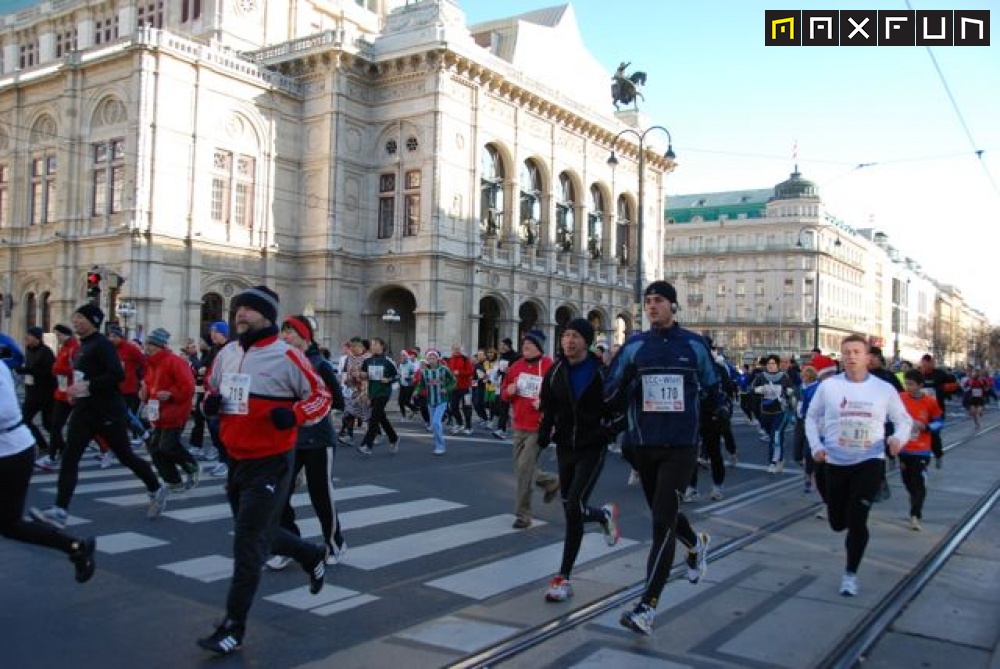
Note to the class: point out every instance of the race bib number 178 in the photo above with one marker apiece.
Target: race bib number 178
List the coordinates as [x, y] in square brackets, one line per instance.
[663, 393]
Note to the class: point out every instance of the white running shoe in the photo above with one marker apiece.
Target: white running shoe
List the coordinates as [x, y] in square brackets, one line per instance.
[849, 585]
[278, 562]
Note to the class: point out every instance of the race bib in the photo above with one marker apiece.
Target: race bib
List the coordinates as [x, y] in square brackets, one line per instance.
[79, 377]
[663, 393]
[153, 410]
[976, 392]
[63, 382]
[529, 385]
[29, 380]
[235, 392]
[855, 433]
[376, 373]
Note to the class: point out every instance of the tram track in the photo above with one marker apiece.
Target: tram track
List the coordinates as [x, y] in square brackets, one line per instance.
[849, 652]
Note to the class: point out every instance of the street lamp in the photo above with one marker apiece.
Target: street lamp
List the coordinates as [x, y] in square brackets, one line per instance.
[125, 310]
[799, 244]
[613, 162]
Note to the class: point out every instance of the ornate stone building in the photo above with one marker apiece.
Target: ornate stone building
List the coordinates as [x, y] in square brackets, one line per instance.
[381, 165]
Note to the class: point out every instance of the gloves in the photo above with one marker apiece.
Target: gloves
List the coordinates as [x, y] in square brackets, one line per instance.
[722, 414]
[211, 405]
[283, 419]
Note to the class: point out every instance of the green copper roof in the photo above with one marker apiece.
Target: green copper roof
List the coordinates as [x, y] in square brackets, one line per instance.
[732, 204]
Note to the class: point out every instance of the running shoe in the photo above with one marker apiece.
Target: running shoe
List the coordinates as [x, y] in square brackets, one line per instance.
[612, 533]
[47, 464]
[633, 478]
[772, 468]
[107, 460]
[438, 451]
[560, 589]
[317, 570]
[193, 478]
[697, 559]
[849, 585]
[640, 619]
[83, 559]
[226, 639]
[157, 502]
[499, 434]
[335, 554]
[551, 491]
[467, 432]
[364, 451]
[717, 493]
[915, 524]
[53, 516]
[278, 562]
[691, 494]
[394, 447]
[220, 469]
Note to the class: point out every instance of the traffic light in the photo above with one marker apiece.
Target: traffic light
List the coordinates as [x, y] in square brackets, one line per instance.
[117, 280]
[94, 285]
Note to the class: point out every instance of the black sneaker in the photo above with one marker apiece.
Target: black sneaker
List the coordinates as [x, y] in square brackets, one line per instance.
[316, 570]
[83, 559]
[226, 639]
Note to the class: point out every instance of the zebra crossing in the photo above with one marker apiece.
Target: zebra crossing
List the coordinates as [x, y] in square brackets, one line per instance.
[373, 506]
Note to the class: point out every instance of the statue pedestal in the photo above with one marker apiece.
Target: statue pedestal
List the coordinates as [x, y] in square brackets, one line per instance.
[633, 118]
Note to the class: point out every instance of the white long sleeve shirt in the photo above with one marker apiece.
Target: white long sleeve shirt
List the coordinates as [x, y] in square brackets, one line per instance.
[12, 441]
[847, 419]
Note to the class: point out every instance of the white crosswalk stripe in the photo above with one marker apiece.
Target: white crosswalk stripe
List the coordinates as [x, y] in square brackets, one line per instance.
[207, 504]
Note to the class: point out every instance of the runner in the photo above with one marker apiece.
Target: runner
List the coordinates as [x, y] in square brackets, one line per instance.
[775, 393]
[61, 408]
[379, 371]
[574, 416]
[977, 388]
[940, 385]
[17, 448]
[99, 411]
[845, 426]
[262, 388]
[658, 378]
[39, 385]
[913, 459]
[433, 387]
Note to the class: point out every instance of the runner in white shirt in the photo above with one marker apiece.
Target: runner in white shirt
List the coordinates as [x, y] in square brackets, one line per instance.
[845, 426]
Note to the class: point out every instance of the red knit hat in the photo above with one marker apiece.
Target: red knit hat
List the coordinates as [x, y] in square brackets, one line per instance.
[824, 365]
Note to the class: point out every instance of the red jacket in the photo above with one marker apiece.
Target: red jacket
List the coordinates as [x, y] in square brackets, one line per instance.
[526, 377]
[462, 369]
[253, 381]
[924, 409]
[63, 367]
[134, 363]
[167, 371]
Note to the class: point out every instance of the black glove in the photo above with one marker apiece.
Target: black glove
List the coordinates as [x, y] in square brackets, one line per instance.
[211, 405]
[722, 414]
[544, 441]
[283, 419]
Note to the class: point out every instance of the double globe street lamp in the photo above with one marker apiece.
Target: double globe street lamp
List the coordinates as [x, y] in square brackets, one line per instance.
[613, 163]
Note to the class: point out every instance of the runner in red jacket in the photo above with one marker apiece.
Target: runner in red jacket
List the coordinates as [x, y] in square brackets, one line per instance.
[167, 390]
[463, 370]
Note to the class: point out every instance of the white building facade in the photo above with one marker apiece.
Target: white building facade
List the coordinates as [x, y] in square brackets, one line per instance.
[379, 164]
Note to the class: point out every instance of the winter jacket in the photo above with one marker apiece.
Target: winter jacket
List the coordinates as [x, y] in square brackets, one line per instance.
[462, 369]
[99, 364]
[170, 372]
[576, 424]
[526, 376]
[39, 382]
[63, 367]
[134, 364]
[658, 378]
[321, 434]
[255, 375]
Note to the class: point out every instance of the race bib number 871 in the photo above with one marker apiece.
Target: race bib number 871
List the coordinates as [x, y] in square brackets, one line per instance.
[663, 393]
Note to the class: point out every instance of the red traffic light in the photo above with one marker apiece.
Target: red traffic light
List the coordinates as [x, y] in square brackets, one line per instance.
[93, 279]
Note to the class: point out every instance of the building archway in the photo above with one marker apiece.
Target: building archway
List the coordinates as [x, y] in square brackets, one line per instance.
[211, 311]
[564, 315]
[491, 313]
[393, 318]
[529, 316]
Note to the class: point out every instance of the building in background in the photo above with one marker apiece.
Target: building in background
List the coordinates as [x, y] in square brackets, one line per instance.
[382, 165]
[772, 271]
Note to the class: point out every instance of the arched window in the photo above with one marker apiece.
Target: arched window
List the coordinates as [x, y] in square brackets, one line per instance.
[46, 311]
[530, 181]
[491, 187]
[211, 310]
[565, 223]
[595, 223]
[30, 311]
[624, 222]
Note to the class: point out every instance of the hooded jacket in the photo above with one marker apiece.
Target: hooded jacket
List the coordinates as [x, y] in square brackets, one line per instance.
[170, 372]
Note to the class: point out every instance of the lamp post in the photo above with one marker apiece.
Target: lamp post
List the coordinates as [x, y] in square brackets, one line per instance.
[799, 244]
[613, 162]
[125, 311]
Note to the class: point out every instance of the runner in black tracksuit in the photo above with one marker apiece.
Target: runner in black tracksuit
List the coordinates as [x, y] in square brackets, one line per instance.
[573, 416]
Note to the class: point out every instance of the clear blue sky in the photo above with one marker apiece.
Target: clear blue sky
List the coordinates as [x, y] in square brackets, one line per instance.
[736, 108]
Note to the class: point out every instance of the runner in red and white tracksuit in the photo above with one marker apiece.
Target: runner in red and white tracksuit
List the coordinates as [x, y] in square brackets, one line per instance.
[262, 388]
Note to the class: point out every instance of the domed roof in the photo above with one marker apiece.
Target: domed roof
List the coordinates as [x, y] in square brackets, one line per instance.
[795, 188]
